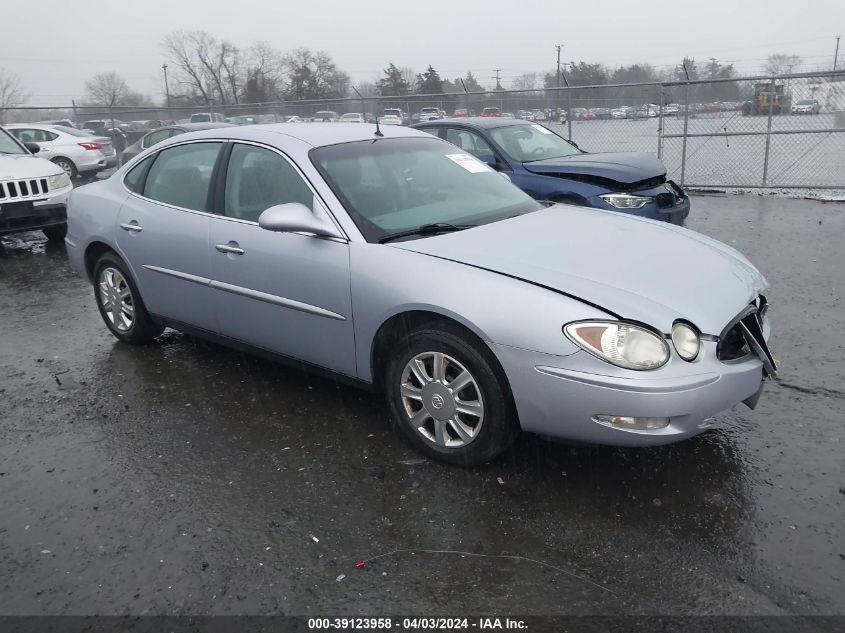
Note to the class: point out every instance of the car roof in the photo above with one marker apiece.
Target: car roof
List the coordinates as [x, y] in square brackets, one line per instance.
[194, 127]
[476, 121]
[314, 134]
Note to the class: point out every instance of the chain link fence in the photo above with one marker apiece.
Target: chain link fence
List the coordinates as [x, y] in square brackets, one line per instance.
[782, 132]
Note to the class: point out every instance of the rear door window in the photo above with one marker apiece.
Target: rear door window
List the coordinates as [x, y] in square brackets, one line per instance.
[181, 175]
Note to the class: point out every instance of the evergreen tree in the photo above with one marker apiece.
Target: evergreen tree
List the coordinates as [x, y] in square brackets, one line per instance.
[393, 84]
[429, 82]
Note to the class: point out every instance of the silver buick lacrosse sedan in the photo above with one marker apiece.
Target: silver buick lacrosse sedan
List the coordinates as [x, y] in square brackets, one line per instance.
[401, 263]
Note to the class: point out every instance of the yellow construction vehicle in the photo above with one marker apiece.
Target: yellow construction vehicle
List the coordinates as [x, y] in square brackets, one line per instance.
[768, 96]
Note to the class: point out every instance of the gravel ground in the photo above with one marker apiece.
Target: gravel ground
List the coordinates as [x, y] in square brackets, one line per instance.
[185, 478]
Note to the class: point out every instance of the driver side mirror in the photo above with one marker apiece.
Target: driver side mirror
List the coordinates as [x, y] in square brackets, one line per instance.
[295, 217]
[34, 148]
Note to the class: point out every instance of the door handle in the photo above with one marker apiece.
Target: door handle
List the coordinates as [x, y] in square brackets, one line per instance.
[228, 248]
[132, 227]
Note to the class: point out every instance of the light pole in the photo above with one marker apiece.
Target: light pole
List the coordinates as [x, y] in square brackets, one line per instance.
[836, 54]
[557, 93]
[166, 88]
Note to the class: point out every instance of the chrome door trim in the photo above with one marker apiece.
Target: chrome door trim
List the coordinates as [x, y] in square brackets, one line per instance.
[203, 281]
[276, 300]
[249, 293]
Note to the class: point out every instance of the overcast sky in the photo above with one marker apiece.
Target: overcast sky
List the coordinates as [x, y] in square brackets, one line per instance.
[55, 55]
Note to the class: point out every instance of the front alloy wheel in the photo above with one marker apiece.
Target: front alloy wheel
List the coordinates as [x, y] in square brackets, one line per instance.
[449, 396]
[442, 401]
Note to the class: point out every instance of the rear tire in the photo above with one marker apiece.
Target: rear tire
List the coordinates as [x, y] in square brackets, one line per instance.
[460, 411]
[55, 233]
[120, 303]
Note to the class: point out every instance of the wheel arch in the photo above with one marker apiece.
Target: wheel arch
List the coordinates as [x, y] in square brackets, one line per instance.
[53, 159]
[93, 252]
[400, 324]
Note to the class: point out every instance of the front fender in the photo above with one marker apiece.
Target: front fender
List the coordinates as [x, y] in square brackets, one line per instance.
[501, 310]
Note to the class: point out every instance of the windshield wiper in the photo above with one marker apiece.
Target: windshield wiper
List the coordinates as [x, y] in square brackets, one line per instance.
[427, 229]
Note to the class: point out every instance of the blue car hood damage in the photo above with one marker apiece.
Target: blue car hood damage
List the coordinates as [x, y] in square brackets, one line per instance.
[622, 167]
[638, 269]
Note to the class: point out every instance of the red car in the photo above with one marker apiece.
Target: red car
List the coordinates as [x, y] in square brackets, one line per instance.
[491, 112]
[586, 115]
[461, 113]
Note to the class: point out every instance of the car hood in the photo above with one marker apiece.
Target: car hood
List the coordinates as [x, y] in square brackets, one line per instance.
[633, 268]
[623, 167]
[17, 166]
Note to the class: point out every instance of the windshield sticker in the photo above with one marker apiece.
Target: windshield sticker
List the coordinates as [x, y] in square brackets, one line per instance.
[470, 163]
[540, 128]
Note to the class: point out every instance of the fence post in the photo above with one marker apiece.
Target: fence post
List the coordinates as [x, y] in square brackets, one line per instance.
[660, 124]
[569, 110]
[686, 126]
[768, 133]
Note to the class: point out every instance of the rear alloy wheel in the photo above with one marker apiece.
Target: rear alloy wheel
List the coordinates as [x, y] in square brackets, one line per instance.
[448, 399]
[120, 303]
[67, 166]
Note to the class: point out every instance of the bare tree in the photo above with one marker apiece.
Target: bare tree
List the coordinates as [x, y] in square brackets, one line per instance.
[264, 74]
[106, 89]
[525, 81]
[179, 48]
[781, 64]
[11, 93]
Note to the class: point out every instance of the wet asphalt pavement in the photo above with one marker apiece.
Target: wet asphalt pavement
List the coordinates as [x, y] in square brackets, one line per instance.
[186, 478]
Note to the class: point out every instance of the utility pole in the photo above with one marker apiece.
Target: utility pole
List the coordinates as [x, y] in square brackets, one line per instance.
[836, 54]
[557, 93]
[497, 71]
[166, 87]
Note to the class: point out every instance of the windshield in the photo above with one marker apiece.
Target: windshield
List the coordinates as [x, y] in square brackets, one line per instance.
[527, 143]
[351, 115]
[9, 145]
[398, 184]
[805, 103]
[392, 112]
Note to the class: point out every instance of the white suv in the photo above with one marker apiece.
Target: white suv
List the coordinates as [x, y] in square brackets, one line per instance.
[33, 191]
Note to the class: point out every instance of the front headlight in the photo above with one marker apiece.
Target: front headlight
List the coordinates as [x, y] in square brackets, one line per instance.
[621, 344]
[59, 181]
[686, 340]
[625, 200]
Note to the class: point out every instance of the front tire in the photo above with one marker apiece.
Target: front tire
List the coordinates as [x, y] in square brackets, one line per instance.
[450, 398]
[120, 303]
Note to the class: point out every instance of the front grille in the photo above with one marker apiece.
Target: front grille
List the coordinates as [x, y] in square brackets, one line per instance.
[744, 336]
[23, 189]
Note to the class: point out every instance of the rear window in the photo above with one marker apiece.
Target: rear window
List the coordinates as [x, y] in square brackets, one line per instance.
[134, 180]
[72, 131]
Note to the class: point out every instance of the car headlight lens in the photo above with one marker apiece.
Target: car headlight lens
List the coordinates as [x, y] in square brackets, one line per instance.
[625, 200]
[686, 340]
[621, 344]
[59, 181]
